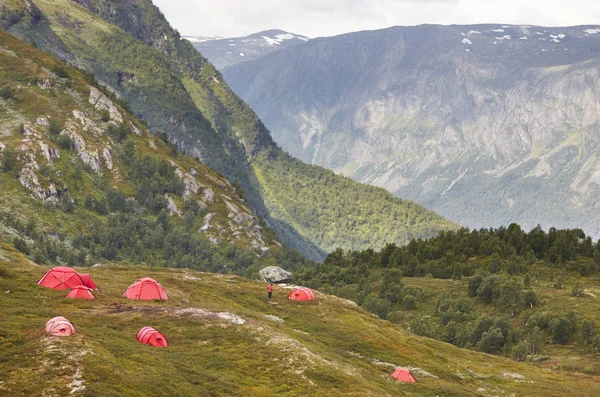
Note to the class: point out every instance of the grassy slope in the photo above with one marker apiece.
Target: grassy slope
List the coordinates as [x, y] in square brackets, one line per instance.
[322, 348]
[20, 64]
[215, 124]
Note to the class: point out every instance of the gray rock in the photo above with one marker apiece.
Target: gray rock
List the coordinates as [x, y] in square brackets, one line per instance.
[274, 274]
[101, 103]
[208, 196]
[172, 207]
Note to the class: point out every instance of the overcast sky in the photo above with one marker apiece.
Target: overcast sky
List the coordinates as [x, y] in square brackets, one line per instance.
[313, 18]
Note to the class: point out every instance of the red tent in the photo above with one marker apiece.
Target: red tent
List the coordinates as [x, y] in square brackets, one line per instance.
[60, 326]
[152, 337]
[61, 278]
[87, 280]
[302, 294]
[146, 289]
[81, 292]
[403, 375]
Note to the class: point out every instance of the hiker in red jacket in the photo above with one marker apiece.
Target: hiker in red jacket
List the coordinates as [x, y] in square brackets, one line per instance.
[270, 289]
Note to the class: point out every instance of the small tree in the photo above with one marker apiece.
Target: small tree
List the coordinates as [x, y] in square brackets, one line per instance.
[577, 290]
[21, 245]
[491, 341]
[596, 343]
[530, 298]
[9, 159]
[534, 341]
[519, 351]
[562, 330]
[474, 284]
[588, 332]
[54, 127]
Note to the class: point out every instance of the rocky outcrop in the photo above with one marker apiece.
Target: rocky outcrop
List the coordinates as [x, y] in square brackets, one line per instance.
[135, 130]
[208, 195]
[102, 103]
[172, 207]
[89, 126]
[107, 158]
[49, 153]
[274, 274]
[92, 158]
[43, 121]
[192, 186]
[206, 224]
[29, 179]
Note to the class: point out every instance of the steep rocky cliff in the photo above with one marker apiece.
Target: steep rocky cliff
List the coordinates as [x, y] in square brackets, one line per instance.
[485, 124]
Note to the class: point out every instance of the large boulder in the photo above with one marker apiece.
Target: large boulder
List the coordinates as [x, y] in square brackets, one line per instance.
[274, 274]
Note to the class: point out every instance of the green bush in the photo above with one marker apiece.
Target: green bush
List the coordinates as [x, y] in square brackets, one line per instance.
[9, 159]
[60, 71]
[55, 127]
[65, 142]
[6, 92]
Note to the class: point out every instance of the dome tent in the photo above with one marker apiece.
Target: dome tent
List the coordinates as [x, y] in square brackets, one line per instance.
[87, 281]
[81, 292]
[60, 326]
[302, 294]
[152, 337]
[403, 375]
[146, 289]
[60, 278]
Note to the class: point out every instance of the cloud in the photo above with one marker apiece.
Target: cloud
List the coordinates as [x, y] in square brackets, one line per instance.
[329, 17]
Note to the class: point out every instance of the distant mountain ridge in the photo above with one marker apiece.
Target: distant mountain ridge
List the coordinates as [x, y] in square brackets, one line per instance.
[485, 124]
[225, 52]
[133, 51]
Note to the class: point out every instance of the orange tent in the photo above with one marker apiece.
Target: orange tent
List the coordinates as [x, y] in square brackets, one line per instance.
[60, 278]
[81, 292]
[302, 294]
[87, 280]
[60, 326]
[146, 289]
[152, 337]
[403, 375]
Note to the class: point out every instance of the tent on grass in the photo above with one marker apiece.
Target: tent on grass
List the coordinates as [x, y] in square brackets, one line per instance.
[403, 375]
[60, 278]
[146, 289]
[87, 281]
[302, 294]
[152, 337]
[60, 326]
[81, 292]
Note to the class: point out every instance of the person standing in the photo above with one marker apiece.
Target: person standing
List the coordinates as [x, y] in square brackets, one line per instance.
[270, 289]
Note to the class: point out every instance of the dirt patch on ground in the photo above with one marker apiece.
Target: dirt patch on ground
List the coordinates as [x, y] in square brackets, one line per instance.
[205, 314]
[117, 308]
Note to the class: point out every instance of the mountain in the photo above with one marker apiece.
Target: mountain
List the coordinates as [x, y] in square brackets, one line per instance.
[485, 124]
[225, 339]
[132, 50]
[84, 181]
[224, 52]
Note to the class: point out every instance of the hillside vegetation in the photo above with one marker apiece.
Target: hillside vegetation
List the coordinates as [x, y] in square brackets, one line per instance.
[531, 296]
[84, 181]
[130, 47]
[226, 339]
